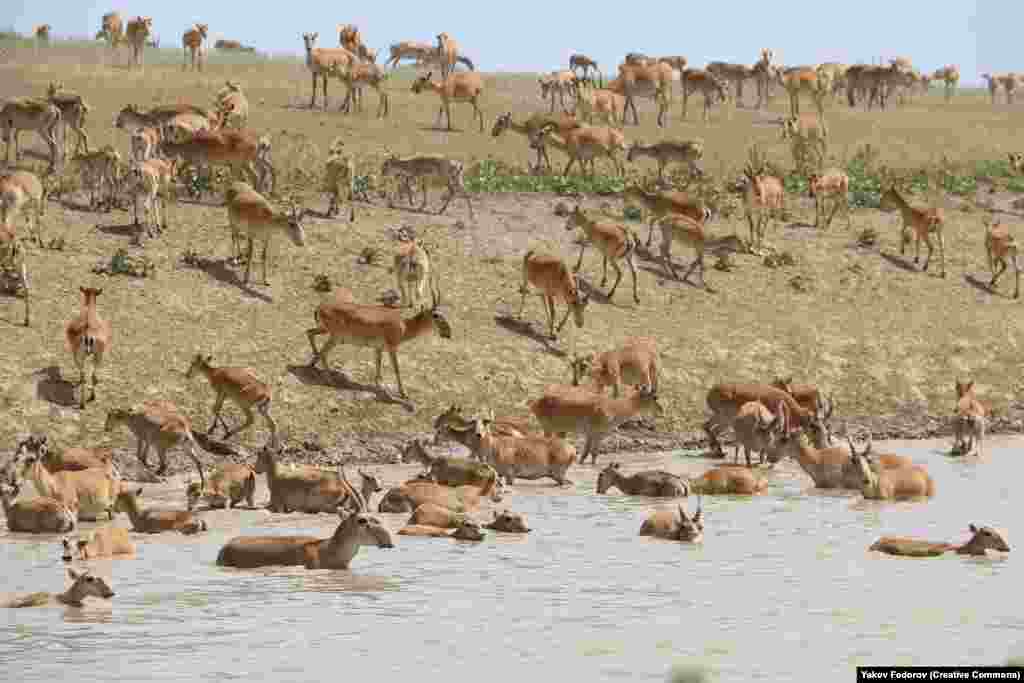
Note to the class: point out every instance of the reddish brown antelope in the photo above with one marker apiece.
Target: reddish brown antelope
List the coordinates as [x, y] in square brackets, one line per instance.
[655, 483]
[982, 539]
[969, 421]
[84, 585]
[670, 526]
[551, 276]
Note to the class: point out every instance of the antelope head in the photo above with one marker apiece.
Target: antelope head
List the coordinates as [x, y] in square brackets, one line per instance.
[648, 398]
[691, 530]
[85, 585]
[608, 476]
[863, 461]
[988, 538]
[501, 124]
[469, 530]
[371, 483]
[422, 83]
[361, 527]
[581, 366]
[66, 555]
[509, 522]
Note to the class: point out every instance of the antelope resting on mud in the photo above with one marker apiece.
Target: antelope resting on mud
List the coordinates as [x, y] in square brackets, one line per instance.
[634, 363]
[614, 240]
[157, 424]
[1000, 248]
[898, 483]
[87, 493]
[921, 224]
[551, 276]
[355, 529]
[379, 327]
[228, 485]
[308, 489]
[243, 388]
[655, 483]
[85, 586]
[88, 336]
[670, 526]
[969, 421]
[593, 415]
[983, 538]
[728, 480]
[39, 515]
[725, 401]
[150, 521]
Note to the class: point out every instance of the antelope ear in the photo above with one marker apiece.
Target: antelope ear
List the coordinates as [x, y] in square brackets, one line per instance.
[138, 493]
[74, 575]
[973, 528]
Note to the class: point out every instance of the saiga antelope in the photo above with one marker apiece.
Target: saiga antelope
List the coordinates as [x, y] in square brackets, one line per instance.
[831, 467]
[339, 179]
[87, 493]
[757, 429]
[108, 541]
[982, 539]
[241, 386]
[73, 110]
[508, 522]
[88, 336]
[921, 223]
[42, 34]
[551, 276]
[242, 150]
[950, 76]
[969, 420]
[683, 229]
[192, 45]
[517, 457]
[687, 152]
[111, 29]
[634, 363]
[305, 488]
[379, 327]
[724, 401]
[531, 126]
[354, 76]
[228, 485]
[763, 195]
[1001, 247]
[559, 83]
[666, 524]
[830, 184]
[448, 51]
[454, 87]
[21, 192]
[84, 585]
[610, 106]
[653, 81]
[580, 61]
[27, 113]
[585, 143]
[613, 240]
[12, 263]
[707, 84]
[811, 399]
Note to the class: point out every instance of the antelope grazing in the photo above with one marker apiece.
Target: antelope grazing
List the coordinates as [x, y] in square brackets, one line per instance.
[320, 60]
[412, 270]
[355, 76]
[192, 45]
[87, 493]
[982, 539]
[108, 541]
[728, 480]
[661, 204]
[530, 127]
[355, 529]
[455, 87]
[550, 275]
[251, 216]
[686, 231]
[136, 33]
[613, 240]
[27, 113]
[652, 81]
[39, 515]
[707, 84]
[590, 102]
[593, 415]
[159, 425]
[112, 29]
[99, 171]
[229, 484]
[232, 105]
[241, 149]
[468, 530]
[85, 586]
[241, 386]
[585, 143]
[763, 195]
[897, 483]
[416, 492]
[381, 328]
[950, 77]
[340, 177]
[804, 79]
[830, 184]
[151, 521]
[423, 166]
[654, 483]
[508, 522]
[584, 63]
[448, 52]
[1000, 247]
[734, 76]
[923, 224]
[73, 110]
[687, 152]
[13, 269]
[520, 457]
[969, 420]
[88, 336]
[666, 524]
[634, 363]
[307, 489]
[725, 400]
[559, 83]
[757, 429]
[149, 182]
[21, 192]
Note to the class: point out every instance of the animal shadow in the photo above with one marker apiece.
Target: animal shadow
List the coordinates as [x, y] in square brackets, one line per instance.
[595, 293]
[126, 230]
[53, 388]
[983, 286]
[439, 129]
[659, 272]
[313, 376]
[526, 329]
[220, 270]
[899, 262]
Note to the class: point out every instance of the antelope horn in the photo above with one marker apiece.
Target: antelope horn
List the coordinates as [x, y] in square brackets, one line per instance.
[356, 495]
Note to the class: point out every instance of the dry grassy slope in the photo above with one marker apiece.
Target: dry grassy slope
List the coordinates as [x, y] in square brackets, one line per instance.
[878, 335]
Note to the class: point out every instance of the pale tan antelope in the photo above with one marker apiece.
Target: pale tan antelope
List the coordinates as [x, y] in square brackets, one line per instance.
[448, 51]
[666, 524]
[764, 74]
[192, 46]
[454, 88]
[152, 521]
[969, 420]
[594, 415]
[424, 166]
[521, 457]
[531, 126]
[833, 76]
[950, 77]
[707, 84]
[381, 328]
[811, 399]
[728, 480]
[109, 541]
[42, 34]
[308, 489]
[897, 483]
[149, 183]
[831, 467]
[22, 192]
[88, 336]
[1000, 248]
[584, 63]
[1009, 82]
[757, 429]
[73, 110]
[320, 60]
[687, 152]
[131, 117]
[417, 492]
[453, 471]
[39, 515]
[78, 458]
[683, 229]
[560, 83]
[143, 144]
[590, 102]
[99, 173]
[242, 150]
[663, 203]
[504, 426]
[585, 143]
[614, 240]
[159, 425]
[425, 54]
[32, 114]
[806, 131]
[982, 539]
[654, 483]
[734, 75]
[436, 516]
[634, 363]
[1016, 162]
[651, 81]
[412, 271]
[84, 585]
[228, 485]
[232, 105]
[551, 276]
[13, 268]
[136, 34]
[242, 387]
[763, 196]
[831, 184]
[922, 224]
[253, 217]
[87, 493]
[355, 529]
[724, 401]
[112, 29]
[359, 74]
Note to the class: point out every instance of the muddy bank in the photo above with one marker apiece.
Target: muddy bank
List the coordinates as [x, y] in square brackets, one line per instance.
[380, 449]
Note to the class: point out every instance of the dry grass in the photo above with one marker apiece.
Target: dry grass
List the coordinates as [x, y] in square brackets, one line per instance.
[846, 316]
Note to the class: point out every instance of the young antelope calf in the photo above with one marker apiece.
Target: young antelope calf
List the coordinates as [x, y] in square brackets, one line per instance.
[614, 240]
[243, 388]
[551, 276]
[1000, 247]
[151, 521]
[149, 183]
[922, 224]
[762, 197]
[88, 336]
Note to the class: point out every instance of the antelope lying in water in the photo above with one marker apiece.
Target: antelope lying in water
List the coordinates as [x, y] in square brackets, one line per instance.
[508, 522]
[85, 585]
[229, 484]
[355, 530]
[468, 530]
[982, 539]
[416, 492]
[110, 541]
[666, 524]
[452, 471]
[150, 521]
[656, 483]
[38, 515]
[87, 493]
[433, 515]
[729, 480]
[899, 483]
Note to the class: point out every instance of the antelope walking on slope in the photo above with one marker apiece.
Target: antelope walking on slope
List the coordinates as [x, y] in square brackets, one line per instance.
[969, 420]
[1000, 248]
[551, 276]
[634, 363]
[243, 388]
[88, 336]
[157, 424]
[252, 216]
[615, 241]
[921, 224]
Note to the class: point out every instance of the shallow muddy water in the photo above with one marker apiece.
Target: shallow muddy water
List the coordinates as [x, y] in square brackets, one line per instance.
[782, 589]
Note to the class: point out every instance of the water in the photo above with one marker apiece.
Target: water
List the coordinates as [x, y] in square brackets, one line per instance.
[782, 589]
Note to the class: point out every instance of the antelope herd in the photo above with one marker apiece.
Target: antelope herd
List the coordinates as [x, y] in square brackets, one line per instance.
[772, 420]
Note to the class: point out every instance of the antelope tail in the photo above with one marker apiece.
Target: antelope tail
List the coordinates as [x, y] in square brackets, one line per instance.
[89, 344]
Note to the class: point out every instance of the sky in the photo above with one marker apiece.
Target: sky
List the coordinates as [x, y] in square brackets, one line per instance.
[539, 35]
